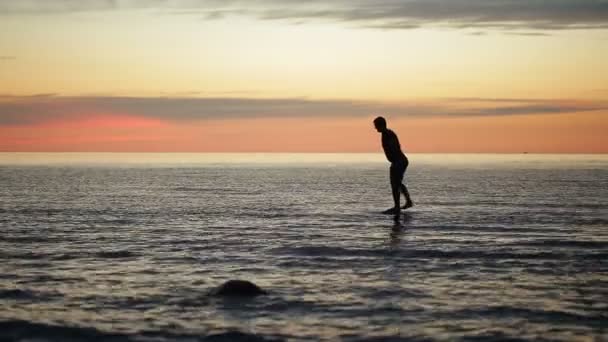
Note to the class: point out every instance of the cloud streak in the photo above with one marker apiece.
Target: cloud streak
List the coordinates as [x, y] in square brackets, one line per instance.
[26, 110]
[384, 14]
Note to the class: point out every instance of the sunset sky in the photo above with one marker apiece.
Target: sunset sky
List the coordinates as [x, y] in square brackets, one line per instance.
[303, 76]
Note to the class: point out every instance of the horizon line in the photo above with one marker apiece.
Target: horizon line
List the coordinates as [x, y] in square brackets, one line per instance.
[298, 152]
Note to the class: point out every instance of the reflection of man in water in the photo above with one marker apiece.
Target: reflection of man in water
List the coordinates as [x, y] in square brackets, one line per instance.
[399, 163]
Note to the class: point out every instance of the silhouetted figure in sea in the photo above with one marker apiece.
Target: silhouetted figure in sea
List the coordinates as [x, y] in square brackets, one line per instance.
[399, 163]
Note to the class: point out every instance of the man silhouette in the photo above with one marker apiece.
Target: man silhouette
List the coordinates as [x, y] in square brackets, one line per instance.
[399, 163]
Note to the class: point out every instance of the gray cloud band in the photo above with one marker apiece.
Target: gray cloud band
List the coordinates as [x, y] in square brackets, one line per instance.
[18, 110]
[387, 14]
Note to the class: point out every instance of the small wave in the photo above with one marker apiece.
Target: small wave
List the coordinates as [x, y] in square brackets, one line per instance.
[595, 256]
[16, 330]
[278, 214]
[45, 278]
[24, 256]
[19, 330]
[30, 211]
[236, 336]
[488, 336]
[66, 256]
[533, 315]
[565, 243]
[119, 221]
[324, 251]
[390, 339]
[19, 294]
[569, 205]
[26, 239]
[99, 215]
[71, 255]
[460, 254]
[216, 190]
[115, 254]
[380, 293]
[464, 203]
[76, 255]
[590, 222]
[110, 220]
[195, 189]
[531, 205]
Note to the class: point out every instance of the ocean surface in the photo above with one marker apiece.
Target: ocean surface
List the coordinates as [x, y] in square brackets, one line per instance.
[129, 247]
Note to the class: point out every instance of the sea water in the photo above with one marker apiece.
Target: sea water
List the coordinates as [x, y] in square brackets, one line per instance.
[129, 247]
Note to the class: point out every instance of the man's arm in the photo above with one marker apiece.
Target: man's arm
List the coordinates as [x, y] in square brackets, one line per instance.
[388, 145]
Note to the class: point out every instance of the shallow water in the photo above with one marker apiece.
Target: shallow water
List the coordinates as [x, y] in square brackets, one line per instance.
[123, 247]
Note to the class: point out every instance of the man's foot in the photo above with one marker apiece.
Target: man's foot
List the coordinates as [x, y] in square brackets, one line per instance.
[392, 211]
[408, 205]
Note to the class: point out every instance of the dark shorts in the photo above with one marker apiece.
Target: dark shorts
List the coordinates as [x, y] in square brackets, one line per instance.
[397, 171]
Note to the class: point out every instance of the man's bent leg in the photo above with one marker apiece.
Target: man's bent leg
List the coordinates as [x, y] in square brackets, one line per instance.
[396, 178]
[396, 195]
[408, 200]
[406, 193]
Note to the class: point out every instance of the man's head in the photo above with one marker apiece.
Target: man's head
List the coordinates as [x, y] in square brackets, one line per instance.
[380, 124]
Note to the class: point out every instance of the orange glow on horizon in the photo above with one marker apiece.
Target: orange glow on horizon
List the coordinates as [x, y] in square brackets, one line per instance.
[564, 133]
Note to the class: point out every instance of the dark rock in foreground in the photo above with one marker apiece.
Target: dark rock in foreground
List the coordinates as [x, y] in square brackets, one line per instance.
[240, 288]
